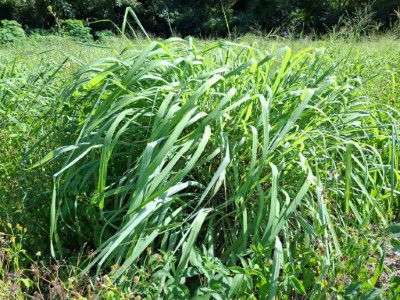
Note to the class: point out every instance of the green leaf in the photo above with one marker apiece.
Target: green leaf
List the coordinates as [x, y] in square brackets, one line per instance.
[188, 244]
[393, 230]
[237, 285]
[298, 285]
[276, 265]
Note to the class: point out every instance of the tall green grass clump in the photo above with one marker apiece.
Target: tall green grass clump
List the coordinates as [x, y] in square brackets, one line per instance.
[233, 165]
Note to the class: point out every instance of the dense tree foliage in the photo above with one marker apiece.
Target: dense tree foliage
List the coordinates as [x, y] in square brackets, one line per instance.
[200, 17]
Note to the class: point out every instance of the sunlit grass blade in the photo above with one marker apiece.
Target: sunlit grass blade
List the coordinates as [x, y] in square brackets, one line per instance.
[276, 265]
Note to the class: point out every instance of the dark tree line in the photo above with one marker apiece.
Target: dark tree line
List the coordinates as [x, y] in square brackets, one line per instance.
[198, 17]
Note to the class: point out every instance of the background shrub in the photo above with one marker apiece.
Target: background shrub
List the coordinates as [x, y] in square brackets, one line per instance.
[76, 29]
[10, 31]
[104, 34]
[202, 17]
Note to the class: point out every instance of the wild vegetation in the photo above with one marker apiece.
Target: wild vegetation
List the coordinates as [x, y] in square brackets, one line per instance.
[257, 168]
[206, 18]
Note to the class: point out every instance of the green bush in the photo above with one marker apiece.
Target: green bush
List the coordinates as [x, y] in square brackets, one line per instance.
[104, 34]
[76, 29]
[10, 31]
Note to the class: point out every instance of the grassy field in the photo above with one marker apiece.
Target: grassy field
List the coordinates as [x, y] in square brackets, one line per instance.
[258, 168]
